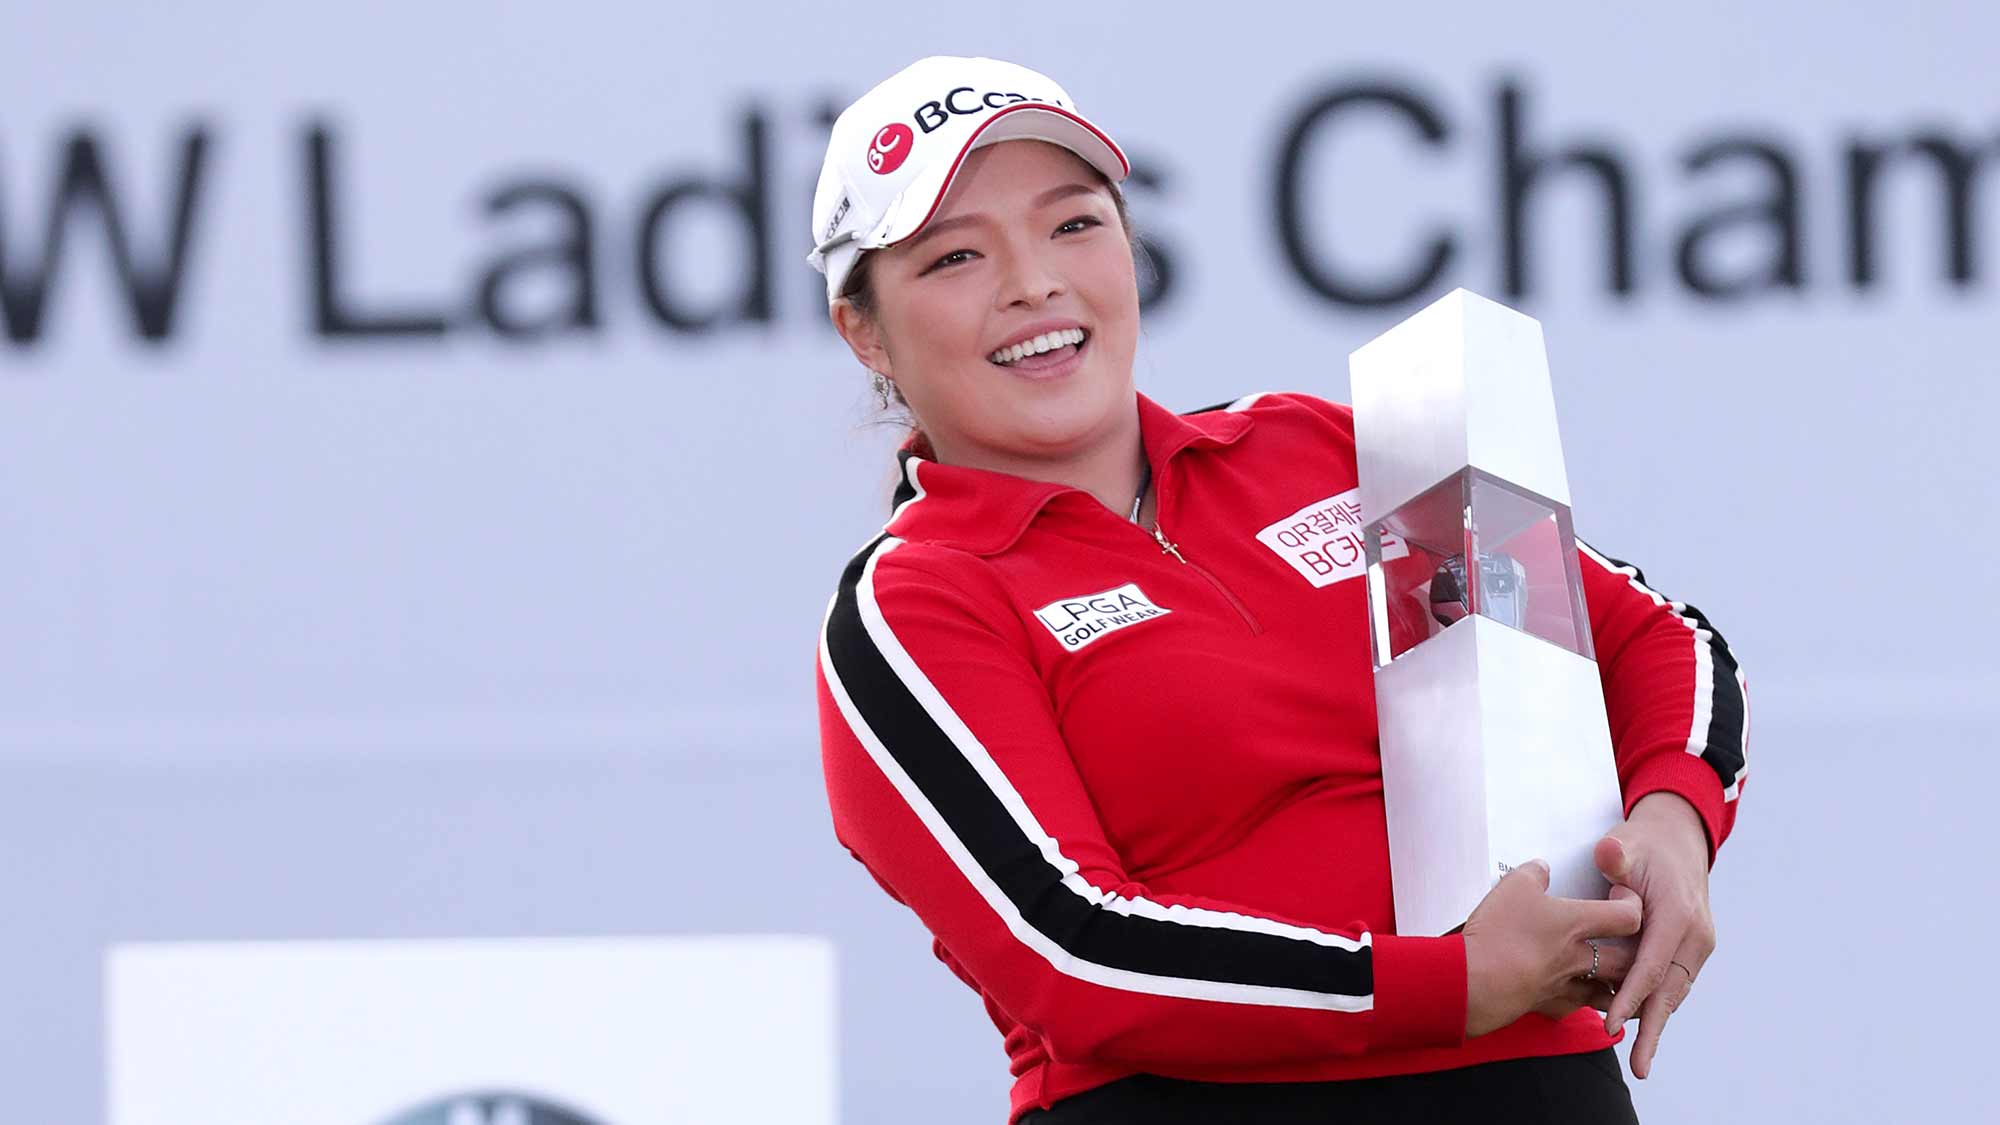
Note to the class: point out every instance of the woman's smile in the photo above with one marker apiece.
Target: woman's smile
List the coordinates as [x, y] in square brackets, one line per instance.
[1050, 365]
[1044, 355]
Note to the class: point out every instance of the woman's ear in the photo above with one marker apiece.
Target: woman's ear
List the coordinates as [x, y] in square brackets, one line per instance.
[863, 335]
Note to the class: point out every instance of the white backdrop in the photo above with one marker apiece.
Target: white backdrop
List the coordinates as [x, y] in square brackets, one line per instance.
[327, 1033]
[502, 623]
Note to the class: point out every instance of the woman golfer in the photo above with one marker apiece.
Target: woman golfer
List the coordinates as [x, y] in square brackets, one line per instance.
[1119, 752]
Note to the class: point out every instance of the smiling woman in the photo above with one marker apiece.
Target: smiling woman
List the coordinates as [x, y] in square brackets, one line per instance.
[858, 311]
[1120, 757]
[1008, 323]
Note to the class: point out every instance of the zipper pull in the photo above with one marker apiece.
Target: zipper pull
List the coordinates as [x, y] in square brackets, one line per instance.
[1167, 547]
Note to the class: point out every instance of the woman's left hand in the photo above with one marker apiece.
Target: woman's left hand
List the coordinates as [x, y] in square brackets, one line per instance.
[1660, 856]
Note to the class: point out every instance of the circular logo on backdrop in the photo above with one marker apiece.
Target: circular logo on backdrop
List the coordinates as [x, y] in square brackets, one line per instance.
[890, 148]
[493, 1107]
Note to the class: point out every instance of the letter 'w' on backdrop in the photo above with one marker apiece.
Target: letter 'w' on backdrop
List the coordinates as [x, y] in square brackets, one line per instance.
[531, 1031]
[1495, 746]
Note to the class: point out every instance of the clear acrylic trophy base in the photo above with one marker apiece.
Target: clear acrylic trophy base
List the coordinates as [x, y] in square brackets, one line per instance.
[1495, 751]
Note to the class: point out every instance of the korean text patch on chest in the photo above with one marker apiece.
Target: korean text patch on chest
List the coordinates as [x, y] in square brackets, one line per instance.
[1322, 541]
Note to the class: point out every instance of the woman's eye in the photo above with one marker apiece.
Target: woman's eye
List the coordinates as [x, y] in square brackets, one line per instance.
[951, 259]
[1081, 222]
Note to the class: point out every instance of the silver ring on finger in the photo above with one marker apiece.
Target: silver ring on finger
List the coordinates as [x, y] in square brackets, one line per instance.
[1592, 974]
[1685, 969]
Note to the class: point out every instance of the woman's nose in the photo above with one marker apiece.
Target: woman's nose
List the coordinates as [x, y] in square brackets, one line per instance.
[1031, 281]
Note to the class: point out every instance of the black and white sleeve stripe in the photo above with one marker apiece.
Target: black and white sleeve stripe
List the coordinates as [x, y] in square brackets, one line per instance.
[1720, 731]
[980, 820]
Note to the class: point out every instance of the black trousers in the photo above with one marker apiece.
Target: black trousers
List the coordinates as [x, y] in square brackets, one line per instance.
[1585, 1089]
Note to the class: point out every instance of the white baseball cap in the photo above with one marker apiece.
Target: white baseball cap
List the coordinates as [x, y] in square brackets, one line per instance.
[893, 153]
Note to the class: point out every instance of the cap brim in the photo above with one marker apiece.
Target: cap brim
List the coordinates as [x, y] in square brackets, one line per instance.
[1026, 121]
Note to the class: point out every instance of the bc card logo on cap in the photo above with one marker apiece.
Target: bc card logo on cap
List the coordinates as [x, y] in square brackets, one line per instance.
[890, 148]
[891, 144]
[964, 101]
[1078, 621]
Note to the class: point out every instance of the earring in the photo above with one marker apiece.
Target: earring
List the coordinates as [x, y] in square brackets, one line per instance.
[882, 388]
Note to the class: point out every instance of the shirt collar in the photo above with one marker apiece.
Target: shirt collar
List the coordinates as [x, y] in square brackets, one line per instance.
[984, 512]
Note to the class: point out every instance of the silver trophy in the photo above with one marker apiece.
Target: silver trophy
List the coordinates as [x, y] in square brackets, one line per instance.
[1495, 747]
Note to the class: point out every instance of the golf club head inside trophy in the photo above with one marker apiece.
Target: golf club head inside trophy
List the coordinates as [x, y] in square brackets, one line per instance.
[1495, 747]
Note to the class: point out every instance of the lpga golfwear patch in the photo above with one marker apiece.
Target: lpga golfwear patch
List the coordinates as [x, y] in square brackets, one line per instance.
[1078, 621]
[1322, 541]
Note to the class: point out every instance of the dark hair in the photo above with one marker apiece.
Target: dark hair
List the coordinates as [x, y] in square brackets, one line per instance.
[861, 294]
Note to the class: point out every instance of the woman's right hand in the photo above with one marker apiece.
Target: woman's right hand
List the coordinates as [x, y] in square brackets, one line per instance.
[1525, 950]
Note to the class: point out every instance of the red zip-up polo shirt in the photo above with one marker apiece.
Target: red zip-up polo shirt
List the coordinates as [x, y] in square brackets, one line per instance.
[1136, 794]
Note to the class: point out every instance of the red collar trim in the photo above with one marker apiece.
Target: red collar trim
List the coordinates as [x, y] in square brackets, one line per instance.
[985, 512]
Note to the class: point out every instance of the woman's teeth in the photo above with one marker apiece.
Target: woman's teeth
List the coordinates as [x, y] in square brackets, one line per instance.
[1046, 342]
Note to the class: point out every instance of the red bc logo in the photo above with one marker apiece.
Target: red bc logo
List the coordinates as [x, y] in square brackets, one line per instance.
[890, 148]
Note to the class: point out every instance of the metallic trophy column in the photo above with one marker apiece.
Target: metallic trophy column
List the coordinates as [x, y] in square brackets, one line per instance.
[1495, 747]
